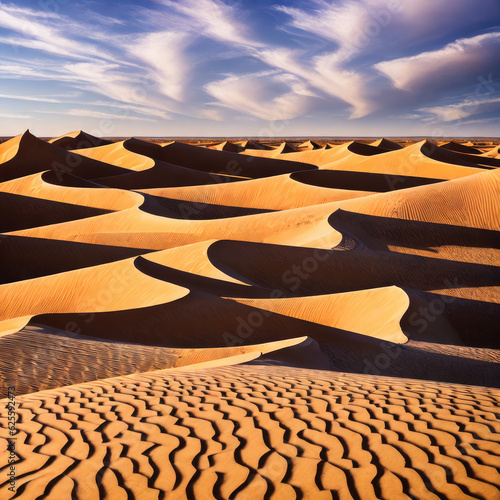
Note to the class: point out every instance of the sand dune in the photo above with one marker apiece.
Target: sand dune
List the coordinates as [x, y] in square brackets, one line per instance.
[157, 203]
[493, 153]
[386, 144]
[422, 159]
[123, 154]
[229, 146]
[255, 431]
[24, 258]
[79, 140]
[139, 229]
[360, 181]
[284, 147]
[63, 290]
[25, 154]
[93, 359]
[115, 286]
[460, 148]
[236, 319]
[309, 145]
[21, 212]
[252, 145]
[383, 324]
[224, 162]
[318, 156]
[49, 186]
[273, 193]
[458, 158]
[144, 171]
[477, 195]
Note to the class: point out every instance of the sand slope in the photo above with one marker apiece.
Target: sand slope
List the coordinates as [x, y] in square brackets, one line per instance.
[268, 314]
[258, 431]
[79, 140]
[25, 155]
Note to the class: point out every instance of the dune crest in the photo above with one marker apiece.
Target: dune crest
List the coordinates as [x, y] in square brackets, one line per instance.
[79, 140]
[268, 319]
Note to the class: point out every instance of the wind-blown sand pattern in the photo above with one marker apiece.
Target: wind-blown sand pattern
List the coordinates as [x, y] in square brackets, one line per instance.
[246, 320]
[259, 432]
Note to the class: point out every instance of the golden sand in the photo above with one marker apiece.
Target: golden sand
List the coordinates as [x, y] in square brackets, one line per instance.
[239, 319]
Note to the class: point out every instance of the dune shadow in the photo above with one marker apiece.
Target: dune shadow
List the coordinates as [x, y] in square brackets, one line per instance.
[27, 257]
[384, 231]
[360, 181]
[190, 210]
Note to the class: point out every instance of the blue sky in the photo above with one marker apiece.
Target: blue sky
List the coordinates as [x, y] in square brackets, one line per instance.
[250, 68]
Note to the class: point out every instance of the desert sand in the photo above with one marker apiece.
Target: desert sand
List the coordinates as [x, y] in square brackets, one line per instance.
[249, 319]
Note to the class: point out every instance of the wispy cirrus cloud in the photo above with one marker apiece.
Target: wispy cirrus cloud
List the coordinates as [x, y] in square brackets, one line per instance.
[42, 30]
[31, 98]
[268, 95]
[14, 116]
[99, 114]
[464, 109]
[221, 60]
[459, 60]
[324, 74]
[165, 55]
[110, 80]
[361, 27]
[214, 19]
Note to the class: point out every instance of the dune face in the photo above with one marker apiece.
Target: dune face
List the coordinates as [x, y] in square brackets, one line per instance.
[79, 140]
[24, 155]
[460, 148]
[386, 144]
[248, 319]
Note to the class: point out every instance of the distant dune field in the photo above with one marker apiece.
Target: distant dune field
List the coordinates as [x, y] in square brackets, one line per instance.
[247, 319]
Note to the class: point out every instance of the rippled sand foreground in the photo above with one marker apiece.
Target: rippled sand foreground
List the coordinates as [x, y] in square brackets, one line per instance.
[248, 320]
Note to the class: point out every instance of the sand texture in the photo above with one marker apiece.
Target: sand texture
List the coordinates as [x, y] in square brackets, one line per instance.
[249, 319]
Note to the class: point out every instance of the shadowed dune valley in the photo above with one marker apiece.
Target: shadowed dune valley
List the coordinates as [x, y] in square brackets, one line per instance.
[308, 318]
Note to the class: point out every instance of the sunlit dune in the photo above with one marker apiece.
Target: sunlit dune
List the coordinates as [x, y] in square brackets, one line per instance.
[386, 144]
[79, 140]
[309, 145]
[272, 193]
[422, 159]
[25, 154]
[460, 148]
[268, 319]
[493, 153]
[50, 186]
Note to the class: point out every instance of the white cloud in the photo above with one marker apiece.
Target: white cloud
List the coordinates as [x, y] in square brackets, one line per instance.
[266, 95]
[14, 116]
[37, 98]
[46, 36]
[347, 24]
[213, 18]
[481, 120]
[140, 110]
[162, 64]
[212, 114]
[326, 74]
[29, 70]
[365, 26]
[350, 86]
[107, 79]
[95, 16]
[26, 12]
[464, 109]
[442, 67]
[164, 52]
[98, 114]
